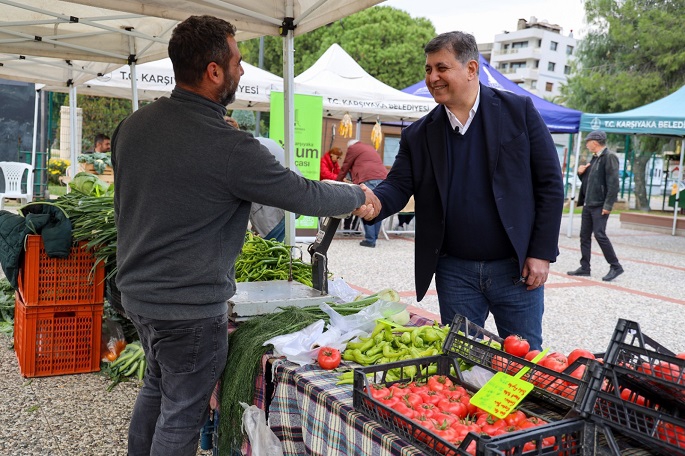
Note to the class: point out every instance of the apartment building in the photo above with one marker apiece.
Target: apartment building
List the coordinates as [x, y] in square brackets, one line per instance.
[537, 56]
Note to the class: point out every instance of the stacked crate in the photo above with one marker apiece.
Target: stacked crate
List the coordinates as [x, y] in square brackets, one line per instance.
[58, 312]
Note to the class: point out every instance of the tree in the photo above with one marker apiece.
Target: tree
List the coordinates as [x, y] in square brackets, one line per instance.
[392, 53]
[100, 115]
[634, 53]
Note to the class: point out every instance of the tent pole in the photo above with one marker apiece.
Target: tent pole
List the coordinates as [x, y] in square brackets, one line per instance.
[134, 87]
[681, 178]
[35, 132]
[72, 128]
[571, 206]
[289, 106]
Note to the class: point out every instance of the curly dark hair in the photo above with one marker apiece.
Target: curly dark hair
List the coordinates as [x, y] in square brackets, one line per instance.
[195, 43]
[462, 45]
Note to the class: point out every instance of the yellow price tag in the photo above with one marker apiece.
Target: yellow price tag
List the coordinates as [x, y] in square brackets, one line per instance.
[503, 392]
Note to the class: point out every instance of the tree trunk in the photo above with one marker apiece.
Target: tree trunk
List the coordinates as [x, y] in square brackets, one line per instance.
[639, 173]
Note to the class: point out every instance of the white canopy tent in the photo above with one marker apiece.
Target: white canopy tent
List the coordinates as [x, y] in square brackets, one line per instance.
[156, 79]
[347, 88]
[70, 44]
[285, 18]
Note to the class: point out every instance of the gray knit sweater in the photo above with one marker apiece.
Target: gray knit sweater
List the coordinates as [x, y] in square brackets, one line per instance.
[184, 184]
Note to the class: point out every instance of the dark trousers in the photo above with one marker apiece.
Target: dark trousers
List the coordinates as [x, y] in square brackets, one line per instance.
[593, 222]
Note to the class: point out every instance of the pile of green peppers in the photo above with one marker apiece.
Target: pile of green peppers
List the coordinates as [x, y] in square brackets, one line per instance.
[389, 343]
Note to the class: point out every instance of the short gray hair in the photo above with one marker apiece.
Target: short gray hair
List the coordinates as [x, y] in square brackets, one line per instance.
[352, 142]
[462, 45]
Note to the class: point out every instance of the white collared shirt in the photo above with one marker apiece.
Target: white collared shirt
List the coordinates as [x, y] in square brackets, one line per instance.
[472, 113]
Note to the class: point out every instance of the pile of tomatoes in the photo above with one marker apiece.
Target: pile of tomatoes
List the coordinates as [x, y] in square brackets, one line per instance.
[442, 408]
[555, 361]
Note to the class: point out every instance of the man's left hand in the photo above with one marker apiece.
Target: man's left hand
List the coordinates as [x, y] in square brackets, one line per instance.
[536, 272]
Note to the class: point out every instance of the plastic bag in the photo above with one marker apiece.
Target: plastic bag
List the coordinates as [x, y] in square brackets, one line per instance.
[302, 347]
[477, 376]
[340, 289]
[112, 341]
[263, 441]
[365, 319]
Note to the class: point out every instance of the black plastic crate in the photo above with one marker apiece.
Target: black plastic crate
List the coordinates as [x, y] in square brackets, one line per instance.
[647, 365]
[430, 444]
[658, 418]
[479, 346]
[569, 437]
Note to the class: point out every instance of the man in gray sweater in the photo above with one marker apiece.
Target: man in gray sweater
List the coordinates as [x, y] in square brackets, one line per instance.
[184, 184]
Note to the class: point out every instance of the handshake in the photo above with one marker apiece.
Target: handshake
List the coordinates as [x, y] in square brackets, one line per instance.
[371, 207]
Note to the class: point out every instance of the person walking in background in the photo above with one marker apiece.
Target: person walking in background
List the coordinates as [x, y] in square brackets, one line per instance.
[485, 175]
[365, 167]
[330, 168]
[598, 193]
[185, 181]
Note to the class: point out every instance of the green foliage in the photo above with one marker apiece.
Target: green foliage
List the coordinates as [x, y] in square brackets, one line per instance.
[246, 120]
[633, 54]
[57, 167]
[100, 115]
[392, 53]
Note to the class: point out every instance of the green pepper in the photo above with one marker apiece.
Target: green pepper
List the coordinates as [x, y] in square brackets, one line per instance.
[388, 353]
[378, 348]
[405, 338]
[430, 335]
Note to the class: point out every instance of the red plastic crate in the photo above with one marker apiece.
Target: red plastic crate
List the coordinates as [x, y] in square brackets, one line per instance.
[57, 340]
[45, 281]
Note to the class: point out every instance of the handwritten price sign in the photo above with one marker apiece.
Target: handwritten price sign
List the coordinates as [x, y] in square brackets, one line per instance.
[503, 392]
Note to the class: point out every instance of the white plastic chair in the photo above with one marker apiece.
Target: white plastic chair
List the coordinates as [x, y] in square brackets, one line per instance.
[64, 180]
[14, 173]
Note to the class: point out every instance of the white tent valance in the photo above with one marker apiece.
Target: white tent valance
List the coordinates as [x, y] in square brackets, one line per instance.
[347, 88]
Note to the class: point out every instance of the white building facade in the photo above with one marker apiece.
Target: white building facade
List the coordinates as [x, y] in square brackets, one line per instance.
[537, 56]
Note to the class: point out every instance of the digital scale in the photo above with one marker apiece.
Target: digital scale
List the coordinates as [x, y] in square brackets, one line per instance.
[259, 298]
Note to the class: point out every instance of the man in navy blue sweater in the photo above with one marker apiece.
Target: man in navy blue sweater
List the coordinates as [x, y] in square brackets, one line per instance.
[487, 183]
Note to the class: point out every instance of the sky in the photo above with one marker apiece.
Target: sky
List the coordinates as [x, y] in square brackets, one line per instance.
[486, 18]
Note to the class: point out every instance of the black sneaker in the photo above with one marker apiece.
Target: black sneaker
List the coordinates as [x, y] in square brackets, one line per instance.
[613, 273]
[366, 243]
[579, 272]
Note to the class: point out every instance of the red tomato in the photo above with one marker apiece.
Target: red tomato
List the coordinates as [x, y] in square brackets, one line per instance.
[499, 363]
[390, 400]
[329, 358]
[675, 435]
[578, 372]
[514, 418]
[680, 355]
[628, 395]
[532, 354]
[555, 361]
[454, 406]
[516, 345]
[404, 408]
[419, 386]
[442, 417]
[378, 391]
[431, 397]
[454, 391]
[579, 353]
[439, 382]
[413, 399]
[668, 371]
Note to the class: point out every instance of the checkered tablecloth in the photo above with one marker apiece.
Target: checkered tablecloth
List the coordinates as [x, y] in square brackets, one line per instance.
[312, 415]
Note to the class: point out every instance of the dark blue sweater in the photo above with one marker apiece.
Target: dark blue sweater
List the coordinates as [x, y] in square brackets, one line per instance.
[474, 230]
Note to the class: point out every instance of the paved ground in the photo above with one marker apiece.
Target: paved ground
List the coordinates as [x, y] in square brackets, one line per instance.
[75, 415]
[578, 311]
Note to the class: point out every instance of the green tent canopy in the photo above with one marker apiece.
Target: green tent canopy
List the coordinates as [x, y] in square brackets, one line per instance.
[664, 117]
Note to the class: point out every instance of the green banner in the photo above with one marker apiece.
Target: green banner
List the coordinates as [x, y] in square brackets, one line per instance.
[308, 129]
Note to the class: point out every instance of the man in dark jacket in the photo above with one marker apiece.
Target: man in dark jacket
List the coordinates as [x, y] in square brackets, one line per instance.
[598, 193]
[486, 179]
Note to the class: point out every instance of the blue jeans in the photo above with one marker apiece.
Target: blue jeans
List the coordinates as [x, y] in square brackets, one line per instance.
[278, 231]
[185, 359]
[475, 288]
[371, 231]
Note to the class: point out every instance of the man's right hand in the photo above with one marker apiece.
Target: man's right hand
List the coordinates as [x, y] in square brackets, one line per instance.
[371, 207]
